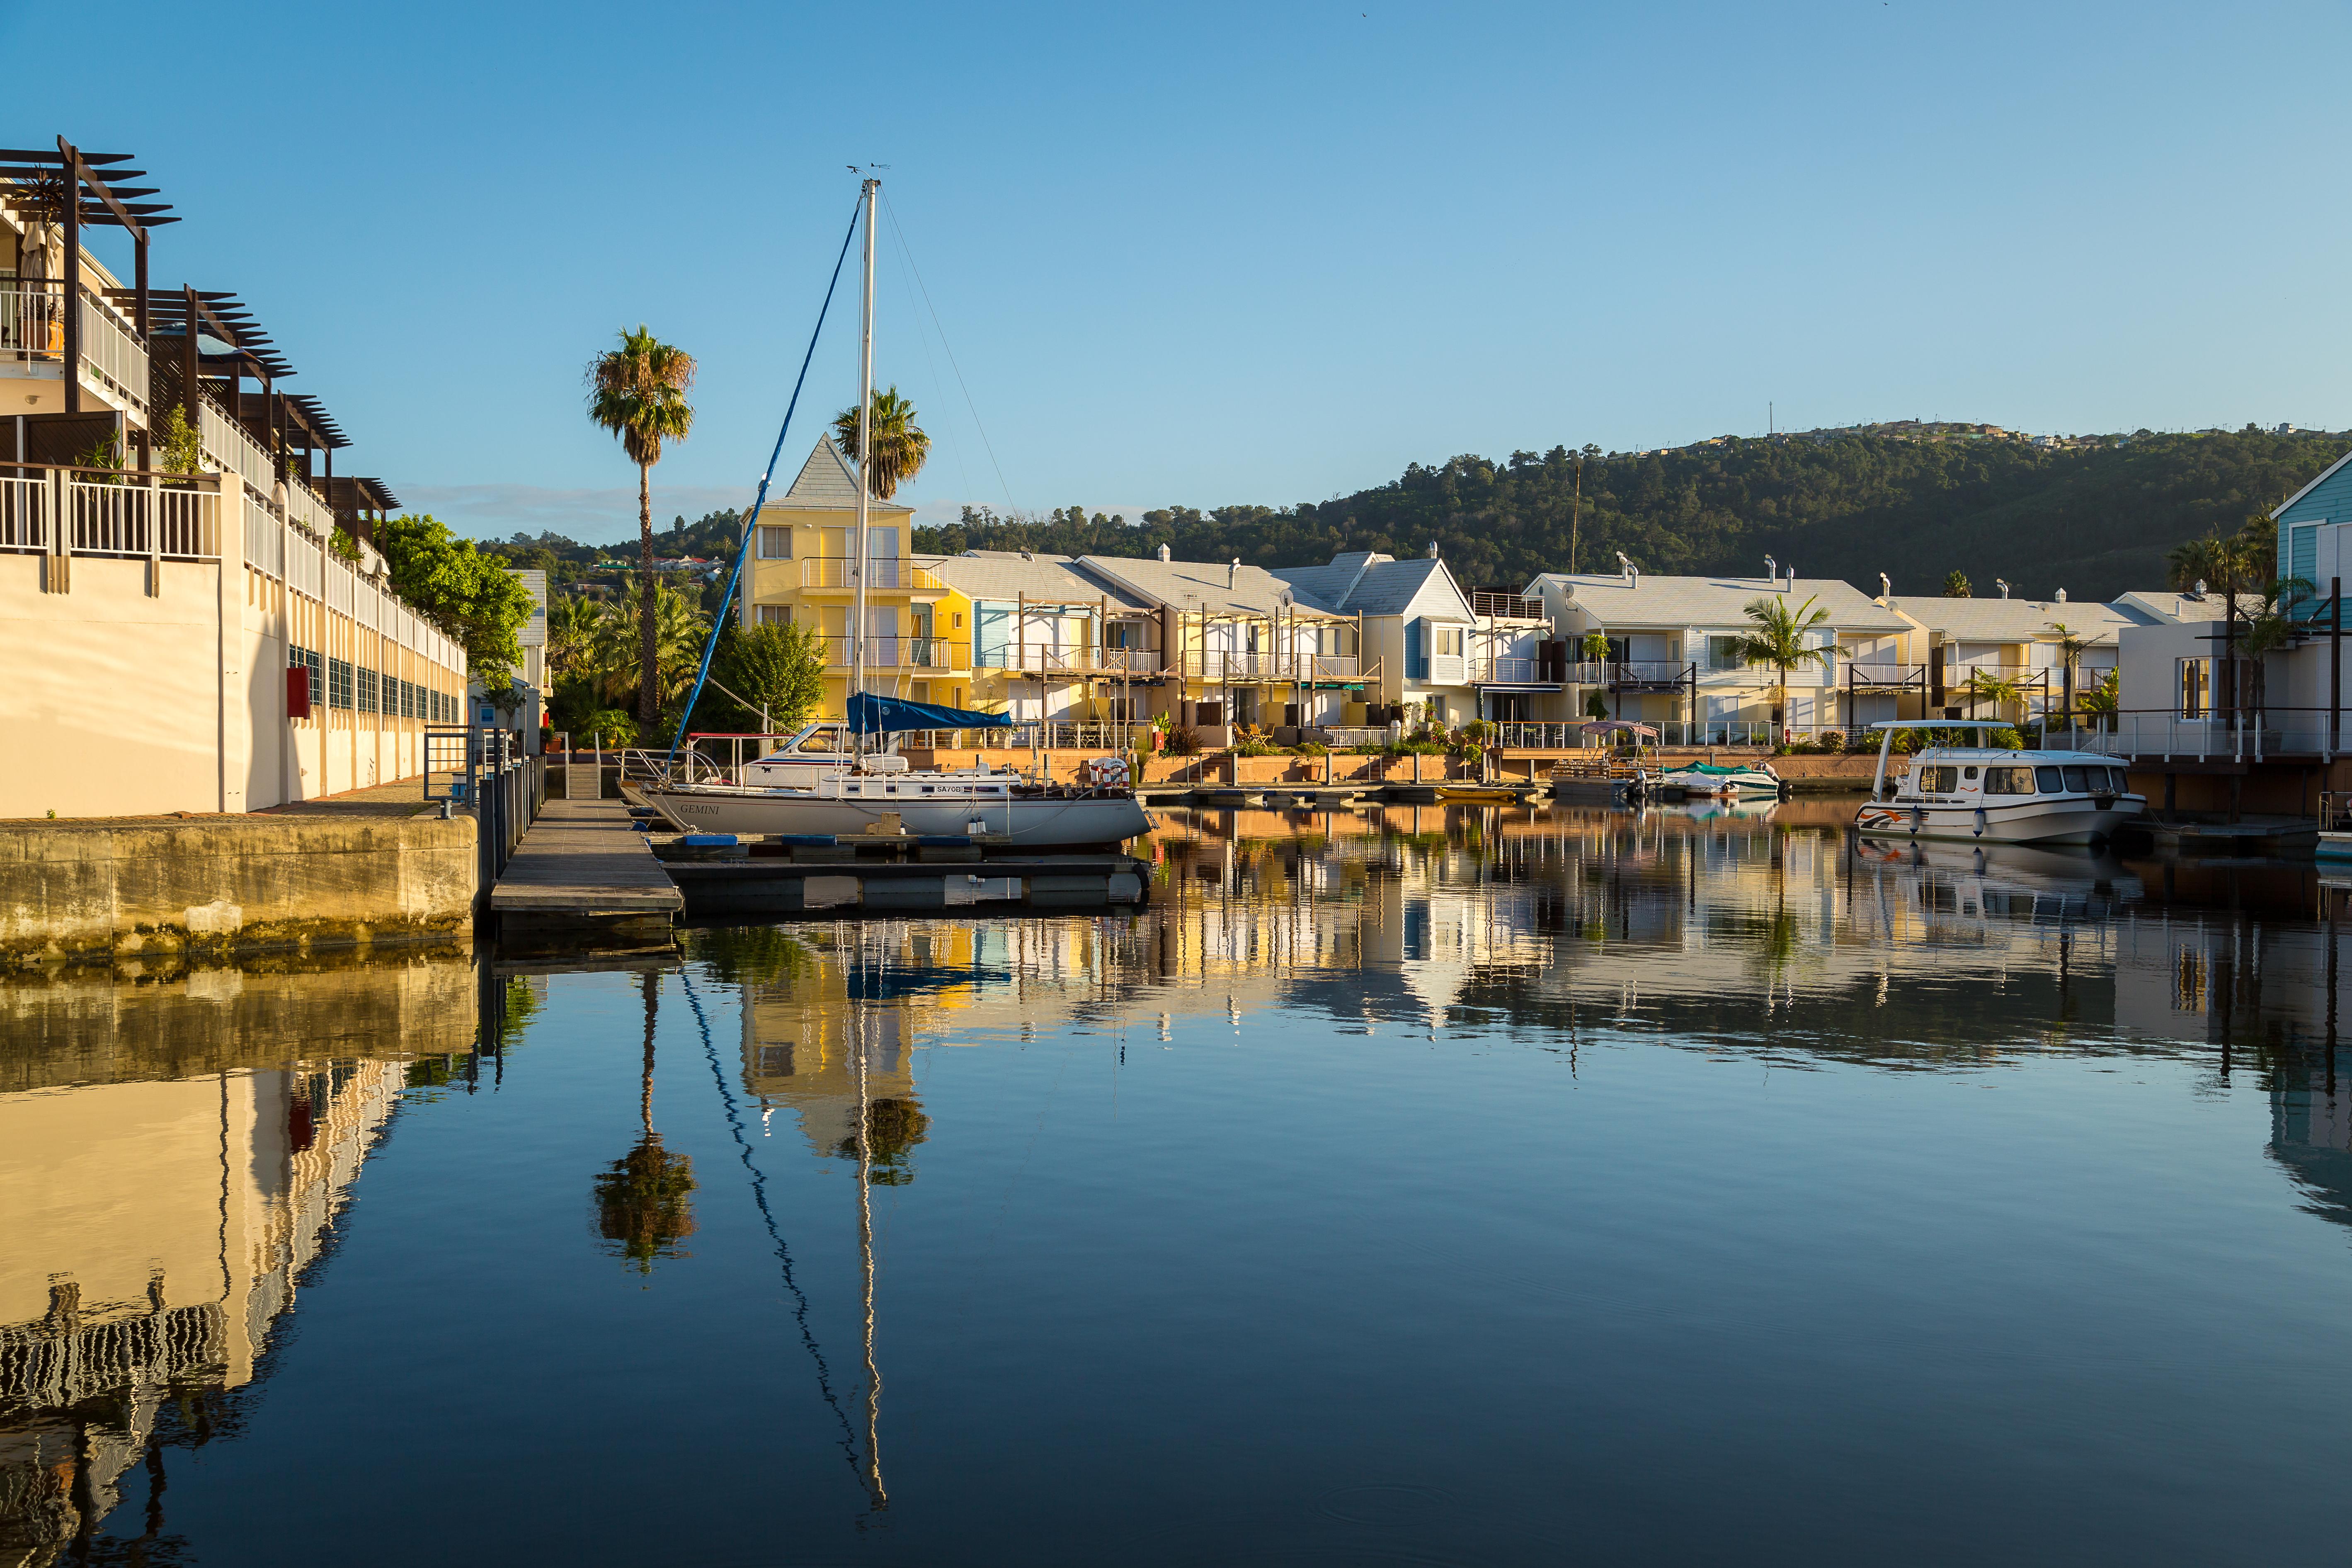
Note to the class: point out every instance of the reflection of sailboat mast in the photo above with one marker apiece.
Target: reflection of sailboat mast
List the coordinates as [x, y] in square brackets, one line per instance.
[865, 1254]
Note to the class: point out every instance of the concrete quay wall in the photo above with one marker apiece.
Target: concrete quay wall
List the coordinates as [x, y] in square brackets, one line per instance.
[101, 892]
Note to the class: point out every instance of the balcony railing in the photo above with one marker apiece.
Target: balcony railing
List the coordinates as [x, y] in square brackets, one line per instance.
[128, 514]
[33, 326]
[1307, 666]
[1515, 669]
[1874, 676]
[885, 575]
[27, 504]
[1507, 606]
[898, 653]
[1043, 657]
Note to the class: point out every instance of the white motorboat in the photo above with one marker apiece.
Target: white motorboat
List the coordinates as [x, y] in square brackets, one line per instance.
[1984, 794]
[1734, 783]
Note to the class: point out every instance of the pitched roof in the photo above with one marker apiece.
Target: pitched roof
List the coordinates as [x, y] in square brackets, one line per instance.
[2318, 480]
[827, 483]
[1006, 574]
[1365, 582]
[2016, 620]
[1198, 585]
[1711, 601]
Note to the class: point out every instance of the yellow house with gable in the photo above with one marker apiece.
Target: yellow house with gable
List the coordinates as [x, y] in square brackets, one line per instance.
[802, 572]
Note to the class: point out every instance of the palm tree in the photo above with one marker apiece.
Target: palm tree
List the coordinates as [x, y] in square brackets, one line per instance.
[2102, 701]
[1996, 689]
[899, 445]
[2271, 627]
[1778, 640]
[639, 393]
[616, 643]
[2071, 646]
[571, 626]
[2228, 564]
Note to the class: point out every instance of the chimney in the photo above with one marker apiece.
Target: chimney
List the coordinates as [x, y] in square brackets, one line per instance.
[2001, 583]
[1771, 571]
[1791, 579]
[1433, 550]
[1232, 571]
[2062, 596]
[1625, 565]
[1886, 588]
[1164, 552]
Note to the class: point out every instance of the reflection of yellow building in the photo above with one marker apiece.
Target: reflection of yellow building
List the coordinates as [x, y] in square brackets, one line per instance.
[158, 1221]
[803, 571]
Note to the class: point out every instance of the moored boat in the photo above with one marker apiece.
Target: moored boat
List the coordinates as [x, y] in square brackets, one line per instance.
[1984, 795]
[1709, 779]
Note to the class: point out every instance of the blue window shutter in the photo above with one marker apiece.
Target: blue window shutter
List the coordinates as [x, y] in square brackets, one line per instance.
[1416, 649]
[992, 630]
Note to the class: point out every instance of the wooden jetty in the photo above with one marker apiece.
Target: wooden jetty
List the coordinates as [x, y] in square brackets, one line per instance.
[585, 876]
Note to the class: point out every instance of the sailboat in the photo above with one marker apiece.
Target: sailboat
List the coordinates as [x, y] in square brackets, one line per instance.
[868, 788]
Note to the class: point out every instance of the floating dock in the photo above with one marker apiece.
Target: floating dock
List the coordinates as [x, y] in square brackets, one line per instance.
[584, 875]
[724, 876]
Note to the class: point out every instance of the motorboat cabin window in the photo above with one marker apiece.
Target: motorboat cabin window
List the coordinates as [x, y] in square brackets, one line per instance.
[1968, 772]
[1939, 781]
[2078, 780]
[2008, 781]
[2049, 780]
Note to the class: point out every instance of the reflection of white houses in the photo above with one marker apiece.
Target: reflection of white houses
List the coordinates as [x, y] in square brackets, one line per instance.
[1672, 656]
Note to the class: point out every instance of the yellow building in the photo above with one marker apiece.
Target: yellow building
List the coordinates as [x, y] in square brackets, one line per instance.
[802, 572]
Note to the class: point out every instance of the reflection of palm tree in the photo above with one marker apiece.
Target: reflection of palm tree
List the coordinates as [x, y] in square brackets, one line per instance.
[642, 1200]
[893, 1126]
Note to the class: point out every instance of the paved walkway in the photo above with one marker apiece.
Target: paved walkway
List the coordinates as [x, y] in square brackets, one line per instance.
[402, 797]
[583, 858]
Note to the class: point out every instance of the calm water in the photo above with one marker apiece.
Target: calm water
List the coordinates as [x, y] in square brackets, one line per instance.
[1489, 1188]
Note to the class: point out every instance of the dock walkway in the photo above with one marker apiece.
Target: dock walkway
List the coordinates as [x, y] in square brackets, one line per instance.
[581, 868]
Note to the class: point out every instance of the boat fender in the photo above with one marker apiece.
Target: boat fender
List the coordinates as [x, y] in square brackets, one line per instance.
[1918, 818]
[1981, 822]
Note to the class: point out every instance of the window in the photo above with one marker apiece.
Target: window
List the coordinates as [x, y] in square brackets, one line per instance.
[776, 542]
[1448, 641]
[2078, 780]
[1723, 653]
[2008, 781]
[1939, 780]
[366, 691]
[775, 614]
[2193, 684]
[2047, 781]
[339, 683]
[1968, 772]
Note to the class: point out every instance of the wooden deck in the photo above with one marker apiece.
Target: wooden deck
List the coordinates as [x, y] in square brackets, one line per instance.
[583, 864]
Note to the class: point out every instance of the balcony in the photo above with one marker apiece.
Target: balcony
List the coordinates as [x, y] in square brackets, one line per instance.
[1639, 675]
[1045, 658]
[885, 574]
[1507, 607]
[33, 331]
[920, 653]
[1885, 678]
[135, 515]
[1310, 667]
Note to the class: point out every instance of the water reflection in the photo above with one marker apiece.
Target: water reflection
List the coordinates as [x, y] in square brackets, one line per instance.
[178, 1153]
[174, 1153]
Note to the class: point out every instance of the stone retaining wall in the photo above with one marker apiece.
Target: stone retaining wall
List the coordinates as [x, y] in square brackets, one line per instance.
[100, 891]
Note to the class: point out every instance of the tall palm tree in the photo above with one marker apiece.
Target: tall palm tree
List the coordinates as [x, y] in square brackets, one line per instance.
[570, 625]
[639, 393]
[901, 447]
[2271, 627]
[1777, 638]
[1997, 689]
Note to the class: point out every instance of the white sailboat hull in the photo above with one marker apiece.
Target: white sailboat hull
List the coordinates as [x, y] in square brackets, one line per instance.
[1027, 822]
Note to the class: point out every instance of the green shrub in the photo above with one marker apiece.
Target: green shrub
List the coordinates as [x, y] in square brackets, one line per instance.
[1180, 742]
[1833, 742]
[1310, 748]
[2007, 741]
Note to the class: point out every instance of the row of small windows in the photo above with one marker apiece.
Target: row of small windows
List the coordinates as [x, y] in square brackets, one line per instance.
[338, 683]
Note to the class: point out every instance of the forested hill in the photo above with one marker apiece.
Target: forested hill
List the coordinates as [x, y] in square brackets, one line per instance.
[2096, 520]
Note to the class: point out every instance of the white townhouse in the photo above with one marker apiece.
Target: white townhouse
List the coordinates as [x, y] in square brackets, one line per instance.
[2015, 646]
[1672, 653]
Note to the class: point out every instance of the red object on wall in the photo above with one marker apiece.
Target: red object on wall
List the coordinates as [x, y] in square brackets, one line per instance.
[298, 691]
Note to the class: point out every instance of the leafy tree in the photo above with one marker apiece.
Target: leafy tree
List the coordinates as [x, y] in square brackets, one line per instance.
[465, 594]
[1778, 639]
[1955, 585]
[638, 392]
[182, 450]
[901, 447]
[782, 666]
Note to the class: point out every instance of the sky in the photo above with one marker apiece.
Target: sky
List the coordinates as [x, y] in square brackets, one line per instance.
[1140, 256]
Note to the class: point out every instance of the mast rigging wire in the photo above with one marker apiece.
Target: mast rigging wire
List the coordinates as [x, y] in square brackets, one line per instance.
[751, 517]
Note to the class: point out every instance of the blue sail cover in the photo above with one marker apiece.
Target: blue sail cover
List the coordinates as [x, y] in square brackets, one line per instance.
[872, 715]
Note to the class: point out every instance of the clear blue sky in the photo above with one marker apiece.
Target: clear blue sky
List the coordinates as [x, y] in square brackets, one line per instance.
[1201, 254]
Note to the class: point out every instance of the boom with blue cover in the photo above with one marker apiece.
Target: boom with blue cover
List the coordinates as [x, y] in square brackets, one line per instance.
[872, 715]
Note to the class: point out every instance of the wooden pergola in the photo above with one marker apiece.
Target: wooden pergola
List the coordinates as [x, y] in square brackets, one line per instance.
[66, 187]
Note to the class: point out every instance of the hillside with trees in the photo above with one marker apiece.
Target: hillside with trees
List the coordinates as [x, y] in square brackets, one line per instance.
[2095, 519]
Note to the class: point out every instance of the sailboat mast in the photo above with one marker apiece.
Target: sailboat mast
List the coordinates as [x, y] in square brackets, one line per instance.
[865, 450]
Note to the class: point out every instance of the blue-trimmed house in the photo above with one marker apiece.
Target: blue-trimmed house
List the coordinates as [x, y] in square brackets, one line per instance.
[2315, 525]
